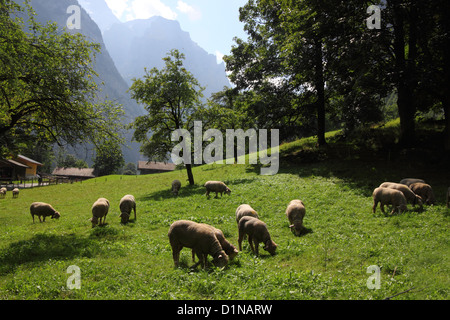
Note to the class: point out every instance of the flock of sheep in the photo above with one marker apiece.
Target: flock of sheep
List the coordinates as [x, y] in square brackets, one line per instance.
[206, 240]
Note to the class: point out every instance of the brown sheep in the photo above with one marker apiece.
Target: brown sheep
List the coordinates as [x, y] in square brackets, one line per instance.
[200, 238]
[245, 210]
[176, 185]
[44, 210]
[425, 191]
[217, 187]
[127, 203]
[229, 249]
[410, 196]
[15, 193]
[295, 213]
[100, 209]
[3, 192]
[257, 232]
[386, 196]
[410, 181]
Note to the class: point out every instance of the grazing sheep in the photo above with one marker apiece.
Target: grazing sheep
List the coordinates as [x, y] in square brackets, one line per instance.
[245, 210]
[295, 213]
[410, 181]
[448, 198]
[387, 196]
[15, 192]
[410, 196]
[44, 210]
[176, 185]
[217, 187]
[127, 203]
[200, 238]
[100, 209]
[3, 193]
[229, 249]
[425, 191]
[257, 232]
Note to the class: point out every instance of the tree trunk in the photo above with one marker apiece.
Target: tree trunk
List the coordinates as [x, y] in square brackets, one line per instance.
[190, 175]
[320, 88]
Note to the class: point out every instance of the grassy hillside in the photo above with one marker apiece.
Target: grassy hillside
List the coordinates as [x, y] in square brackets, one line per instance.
[134, 261]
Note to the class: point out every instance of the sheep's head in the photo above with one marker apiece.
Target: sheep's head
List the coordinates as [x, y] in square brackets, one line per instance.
[270, 247]
[56, 215]
[94, 221]
[232, 252]
[227, 191]
[297, 227]
[221, 260]
[125, 217]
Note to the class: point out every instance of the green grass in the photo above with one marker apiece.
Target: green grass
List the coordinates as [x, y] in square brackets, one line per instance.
[134, 261]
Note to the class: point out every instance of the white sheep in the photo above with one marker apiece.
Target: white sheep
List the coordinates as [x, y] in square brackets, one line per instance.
[44, 210]
[200, 238]
[127, 203]
[257, 232]
[15, 192]
[386, 196]
[217, 187]
[100, 209]
[3, 192]
[245, 210]
[410, 181]
[425, 191]
[295, 213]
[176, 185]
[410, 196]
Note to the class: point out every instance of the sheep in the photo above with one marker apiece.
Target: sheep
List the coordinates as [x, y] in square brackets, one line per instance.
[127, 203]
[176, 185]
[410, 196]
[425, 191]
[229, 249]
[245, 210]
[257, 232]
[3, 192]
[200, 238]
[44, 210]
[217, 187]
[448, 198]
[410, 181]
[295, 213]
[389, 196]
[15, 192]
[100, 209]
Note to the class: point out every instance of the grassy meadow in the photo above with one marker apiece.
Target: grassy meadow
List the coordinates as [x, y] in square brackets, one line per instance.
[134, 261]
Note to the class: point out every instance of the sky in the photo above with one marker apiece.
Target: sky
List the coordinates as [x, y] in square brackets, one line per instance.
[212, 24]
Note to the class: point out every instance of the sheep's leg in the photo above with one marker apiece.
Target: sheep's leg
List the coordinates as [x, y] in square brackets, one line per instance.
[256, 245]
[207, 193]
[374, 208]
[382, 207]
[43, 218]
[217, 194]
[250, 240]
[193, 255]
[176, 255]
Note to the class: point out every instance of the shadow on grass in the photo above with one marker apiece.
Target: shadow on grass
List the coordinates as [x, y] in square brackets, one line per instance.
[43, 247]
[185, 192]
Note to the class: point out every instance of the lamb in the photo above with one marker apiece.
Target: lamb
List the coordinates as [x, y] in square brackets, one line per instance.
[200, 238]
[410, 196]
[15, 192]
[410, 181]
[100, 209]
[386, 196]
[229, 249]
[257, 232]
[176, 185]
[245, 210]
[295, 213]
[425, 191]
[44, 210]
[3, 192]
[127, 203]
[448, 198]
[217, 187]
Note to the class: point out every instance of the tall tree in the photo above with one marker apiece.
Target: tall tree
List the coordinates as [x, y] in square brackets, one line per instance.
[47, 91]
[171, 96]
[108, 158]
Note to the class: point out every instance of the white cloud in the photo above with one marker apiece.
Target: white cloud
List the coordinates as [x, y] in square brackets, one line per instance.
[192, 13]
[140, 9]
[219, 56]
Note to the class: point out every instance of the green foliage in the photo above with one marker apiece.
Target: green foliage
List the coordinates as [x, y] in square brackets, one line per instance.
[47, 88]
[108, 158]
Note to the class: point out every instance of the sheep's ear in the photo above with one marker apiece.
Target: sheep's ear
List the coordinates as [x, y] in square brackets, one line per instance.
[291, 226]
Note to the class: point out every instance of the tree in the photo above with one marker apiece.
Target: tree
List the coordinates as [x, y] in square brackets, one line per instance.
[171, 96]
[108, 158]
[47, 88]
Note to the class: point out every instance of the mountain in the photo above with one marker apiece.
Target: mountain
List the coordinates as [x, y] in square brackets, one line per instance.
[100, 13]
[139, 44]
[114, 87]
